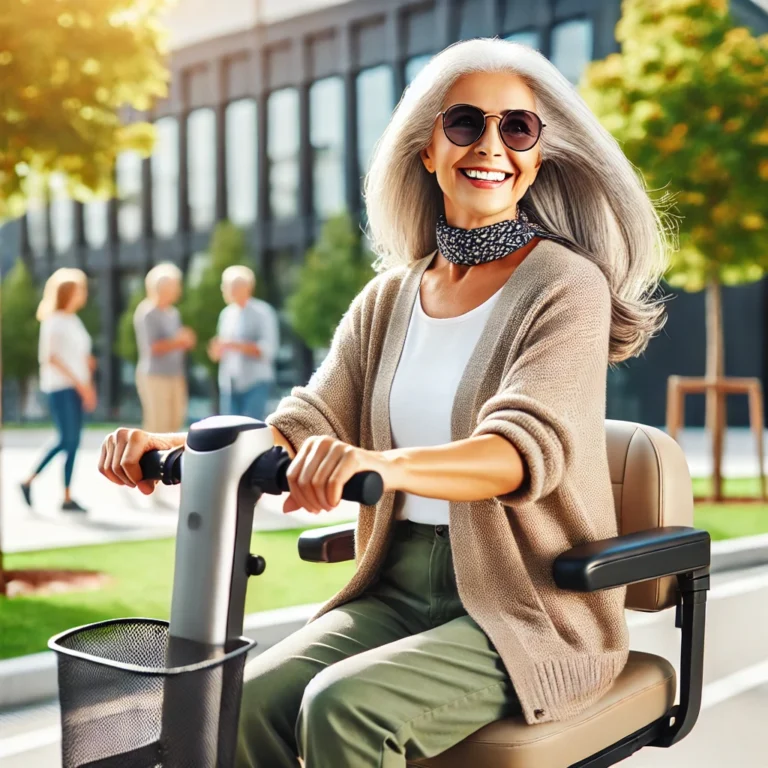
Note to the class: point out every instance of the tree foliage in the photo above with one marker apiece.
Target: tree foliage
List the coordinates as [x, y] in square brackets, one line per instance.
[334, 272]
[19, 298]
[203, 301]
[686, 98]
[69, 68]
[126, 347]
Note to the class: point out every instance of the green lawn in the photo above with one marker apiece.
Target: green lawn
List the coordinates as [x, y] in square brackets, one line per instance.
[142, 573]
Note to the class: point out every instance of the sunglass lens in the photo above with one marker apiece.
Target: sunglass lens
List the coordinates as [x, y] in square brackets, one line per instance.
[463, 124]
[520, 129]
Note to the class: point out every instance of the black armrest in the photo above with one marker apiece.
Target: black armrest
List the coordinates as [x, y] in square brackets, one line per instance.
[633, 557]
[333, 544]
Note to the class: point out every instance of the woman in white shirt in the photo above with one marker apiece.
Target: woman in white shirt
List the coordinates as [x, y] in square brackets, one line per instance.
[66, 370]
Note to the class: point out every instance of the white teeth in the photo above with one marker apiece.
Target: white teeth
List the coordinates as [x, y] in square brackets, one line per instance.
[485, 175]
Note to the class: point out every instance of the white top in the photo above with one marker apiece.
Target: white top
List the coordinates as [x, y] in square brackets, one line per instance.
[435, 354]
[64, 335]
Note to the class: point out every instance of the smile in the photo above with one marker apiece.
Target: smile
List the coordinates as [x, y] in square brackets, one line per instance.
[485, 179]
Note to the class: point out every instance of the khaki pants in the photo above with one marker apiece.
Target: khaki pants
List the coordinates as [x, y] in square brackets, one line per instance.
[163, 402]
[400, 673]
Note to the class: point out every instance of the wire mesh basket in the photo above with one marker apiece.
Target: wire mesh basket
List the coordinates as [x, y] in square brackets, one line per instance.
[130, 698]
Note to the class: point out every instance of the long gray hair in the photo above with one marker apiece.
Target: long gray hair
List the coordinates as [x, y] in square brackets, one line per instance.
[586, 190]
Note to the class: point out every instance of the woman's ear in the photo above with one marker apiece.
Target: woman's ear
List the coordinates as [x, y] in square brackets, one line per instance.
[427, 160]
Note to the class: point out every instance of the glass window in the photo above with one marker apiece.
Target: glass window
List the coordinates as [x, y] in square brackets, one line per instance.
[240, 147]
[326, 135]
[129, 197]
[95, 223]
[36, 226]
[201, 165]
[283, 152]
[526, 37]
[572, 47]
[375, 102]
[62, 214]
[414, 65]
[165, 177]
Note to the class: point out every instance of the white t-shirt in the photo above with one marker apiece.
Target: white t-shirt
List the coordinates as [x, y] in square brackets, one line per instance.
[435, 354]
[63, 334]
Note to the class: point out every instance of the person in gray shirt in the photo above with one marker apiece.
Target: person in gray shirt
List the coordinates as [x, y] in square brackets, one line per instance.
[245, 346]
[163, 343]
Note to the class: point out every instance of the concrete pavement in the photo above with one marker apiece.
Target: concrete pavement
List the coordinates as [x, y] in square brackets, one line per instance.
[114, 513]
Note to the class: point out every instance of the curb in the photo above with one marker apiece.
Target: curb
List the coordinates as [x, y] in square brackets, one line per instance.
[33, 679]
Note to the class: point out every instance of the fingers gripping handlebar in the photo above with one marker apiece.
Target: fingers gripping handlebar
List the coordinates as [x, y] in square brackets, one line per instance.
[267, 473]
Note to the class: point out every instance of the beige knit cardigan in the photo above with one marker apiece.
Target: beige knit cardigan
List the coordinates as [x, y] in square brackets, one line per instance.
[538, 378]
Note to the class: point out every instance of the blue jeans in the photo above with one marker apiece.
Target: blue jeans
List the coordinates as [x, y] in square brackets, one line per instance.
[67, 412]
[251, 402]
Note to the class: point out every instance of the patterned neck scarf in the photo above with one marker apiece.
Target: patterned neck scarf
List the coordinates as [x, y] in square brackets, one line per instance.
[479, 246]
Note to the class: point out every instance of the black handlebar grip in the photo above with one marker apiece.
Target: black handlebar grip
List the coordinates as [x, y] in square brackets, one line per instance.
[364, 487]
[151, 464]
[162, 465]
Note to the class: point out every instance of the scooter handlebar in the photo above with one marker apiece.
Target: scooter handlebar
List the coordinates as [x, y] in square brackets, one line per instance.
[268, 473]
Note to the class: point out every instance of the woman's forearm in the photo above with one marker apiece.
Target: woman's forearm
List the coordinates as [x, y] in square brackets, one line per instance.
[466, 470]
[64, 369]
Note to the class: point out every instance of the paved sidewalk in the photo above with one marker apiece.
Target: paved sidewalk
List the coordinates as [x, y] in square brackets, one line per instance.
[114, 513]
[117, 514]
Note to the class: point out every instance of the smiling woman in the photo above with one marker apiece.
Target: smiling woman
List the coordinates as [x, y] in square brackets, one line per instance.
[518, 253]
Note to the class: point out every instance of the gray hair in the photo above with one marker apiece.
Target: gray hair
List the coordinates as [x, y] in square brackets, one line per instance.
[159, 275]
[586, 190]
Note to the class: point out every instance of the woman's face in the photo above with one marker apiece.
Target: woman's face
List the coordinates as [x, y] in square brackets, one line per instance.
[80, 298]
[471, 203]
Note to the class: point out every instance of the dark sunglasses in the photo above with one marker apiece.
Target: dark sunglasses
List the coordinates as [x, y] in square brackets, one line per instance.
[464, 124]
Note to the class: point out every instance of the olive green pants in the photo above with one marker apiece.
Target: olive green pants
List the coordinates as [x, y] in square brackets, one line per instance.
[400, 673]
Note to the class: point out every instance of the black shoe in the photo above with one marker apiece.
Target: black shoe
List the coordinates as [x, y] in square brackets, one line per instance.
[72, 506]
[26, 490]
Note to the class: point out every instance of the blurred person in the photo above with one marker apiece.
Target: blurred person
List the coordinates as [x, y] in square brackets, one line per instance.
[519, 255]
[66, 371]
[245, 346]
[163, 342]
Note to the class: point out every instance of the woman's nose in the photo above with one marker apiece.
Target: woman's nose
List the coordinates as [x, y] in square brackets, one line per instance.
[490, 142]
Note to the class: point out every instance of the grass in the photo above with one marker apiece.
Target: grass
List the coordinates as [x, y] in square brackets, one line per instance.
[142, 574]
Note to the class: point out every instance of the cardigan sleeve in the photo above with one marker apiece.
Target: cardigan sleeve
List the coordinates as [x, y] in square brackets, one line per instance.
[330, 402]
[553, 392]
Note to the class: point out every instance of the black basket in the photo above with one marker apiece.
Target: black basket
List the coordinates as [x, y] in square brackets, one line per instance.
[123, 706]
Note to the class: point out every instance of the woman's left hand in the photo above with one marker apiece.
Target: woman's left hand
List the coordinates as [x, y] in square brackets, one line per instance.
[322, 466]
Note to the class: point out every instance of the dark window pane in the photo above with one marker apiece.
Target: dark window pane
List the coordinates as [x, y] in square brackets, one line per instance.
[326, 130]
[283, 152]
[129, 196]
[375, 102]
[201, 165]
[165, 177]
[572, 47]
[241, 154]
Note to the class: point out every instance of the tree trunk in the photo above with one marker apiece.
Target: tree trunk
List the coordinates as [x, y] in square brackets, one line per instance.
[715, 369]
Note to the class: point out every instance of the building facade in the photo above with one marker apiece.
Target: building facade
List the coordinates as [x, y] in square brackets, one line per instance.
[272, 117]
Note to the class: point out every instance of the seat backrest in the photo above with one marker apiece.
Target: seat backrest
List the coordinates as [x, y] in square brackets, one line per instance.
[651, 488]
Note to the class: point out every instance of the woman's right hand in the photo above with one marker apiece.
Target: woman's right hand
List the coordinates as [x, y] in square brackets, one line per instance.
[88, 395]
[122, 450]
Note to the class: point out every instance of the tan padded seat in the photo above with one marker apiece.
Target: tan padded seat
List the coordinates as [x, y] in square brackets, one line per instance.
[644, 692]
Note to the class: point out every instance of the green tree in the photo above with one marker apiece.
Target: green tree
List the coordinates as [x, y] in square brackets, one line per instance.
[125, 338]
[686, 98]
[334, 272]
[203, 301]
[68, 69]
[19, 298]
